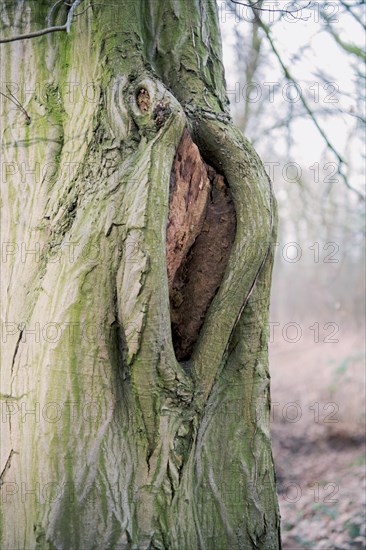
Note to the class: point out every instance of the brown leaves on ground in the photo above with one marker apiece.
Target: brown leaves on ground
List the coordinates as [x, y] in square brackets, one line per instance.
[320, 457]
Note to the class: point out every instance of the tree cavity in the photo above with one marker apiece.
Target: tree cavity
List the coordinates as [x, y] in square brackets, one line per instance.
[200, 233]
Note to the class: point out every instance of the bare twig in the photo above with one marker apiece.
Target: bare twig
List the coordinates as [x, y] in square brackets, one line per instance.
[288, 75]
[351, 12]
[84, 10]
[255, 6]
[41, 32]
[352, 114]
[91, 6]
[7, 466]
[51, 12]
[17, 103]
[346, 46]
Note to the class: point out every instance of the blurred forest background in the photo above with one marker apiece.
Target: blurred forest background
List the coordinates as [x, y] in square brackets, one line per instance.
[295, 74]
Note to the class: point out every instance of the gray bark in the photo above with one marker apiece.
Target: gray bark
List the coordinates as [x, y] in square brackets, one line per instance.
[107, 440]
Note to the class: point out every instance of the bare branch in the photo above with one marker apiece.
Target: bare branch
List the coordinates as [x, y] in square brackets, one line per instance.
[17, 103]
[258, 8]
[88, 7]
[75, 4]
[52, 10]
[288, 75]
[352, 114]
[41, 32]
[346, 46]
[66, 27]
[352, 13]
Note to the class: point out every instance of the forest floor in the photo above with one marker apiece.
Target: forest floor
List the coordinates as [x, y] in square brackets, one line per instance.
[318, 431]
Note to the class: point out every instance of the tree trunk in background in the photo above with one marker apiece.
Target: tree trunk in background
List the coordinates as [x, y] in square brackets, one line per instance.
[107, 440]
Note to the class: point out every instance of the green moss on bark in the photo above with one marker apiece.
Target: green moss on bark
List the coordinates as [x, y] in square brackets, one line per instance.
[164, 442]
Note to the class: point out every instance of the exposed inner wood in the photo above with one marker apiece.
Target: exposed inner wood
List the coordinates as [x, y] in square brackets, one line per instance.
[200, 233]
[143, 100]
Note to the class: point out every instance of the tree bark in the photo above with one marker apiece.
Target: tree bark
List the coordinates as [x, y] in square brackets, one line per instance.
[107, 440]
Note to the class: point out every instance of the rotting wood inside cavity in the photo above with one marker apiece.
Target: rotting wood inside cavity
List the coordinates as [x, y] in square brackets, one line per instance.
[200, 233]
[143, 100]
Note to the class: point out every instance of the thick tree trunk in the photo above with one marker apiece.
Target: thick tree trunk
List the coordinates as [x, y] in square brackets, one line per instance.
[108, 441]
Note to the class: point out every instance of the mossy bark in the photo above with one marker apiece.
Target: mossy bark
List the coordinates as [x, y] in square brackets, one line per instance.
[107, 440]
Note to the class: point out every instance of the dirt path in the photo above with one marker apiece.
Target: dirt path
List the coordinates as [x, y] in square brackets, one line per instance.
[318, 423]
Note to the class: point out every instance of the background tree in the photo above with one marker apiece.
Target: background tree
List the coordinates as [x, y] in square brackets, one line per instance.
[297, 91]
[109, 441]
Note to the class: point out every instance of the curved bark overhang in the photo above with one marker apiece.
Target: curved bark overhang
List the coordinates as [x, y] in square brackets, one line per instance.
[195, 74]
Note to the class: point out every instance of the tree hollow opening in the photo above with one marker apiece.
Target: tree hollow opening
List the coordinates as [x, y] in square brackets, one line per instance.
[200, 233]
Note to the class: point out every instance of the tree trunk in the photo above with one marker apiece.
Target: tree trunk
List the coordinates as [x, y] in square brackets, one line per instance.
[108, 441]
